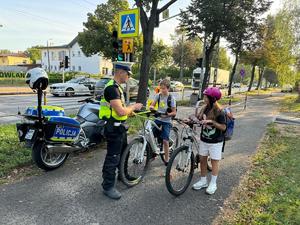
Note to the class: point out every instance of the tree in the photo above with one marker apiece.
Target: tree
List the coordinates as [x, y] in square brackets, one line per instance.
[161, 54]
[97, 35]
[34, 53]
[223, 61]
[205, 19]
[280, 43]
[270, 76]
[186, 51]
[5, 51]
[242, 29]
[148, 23]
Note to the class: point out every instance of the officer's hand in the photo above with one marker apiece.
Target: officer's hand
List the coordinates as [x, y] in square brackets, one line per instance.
[137, 106]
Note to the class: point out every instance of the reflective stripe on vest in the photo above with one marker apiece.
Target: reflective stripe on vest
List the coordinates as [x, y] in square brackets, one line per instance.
[105, 110]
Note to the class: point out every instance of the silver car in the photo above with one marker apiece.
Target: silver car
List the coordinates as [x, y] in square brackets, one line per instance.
[76, 86]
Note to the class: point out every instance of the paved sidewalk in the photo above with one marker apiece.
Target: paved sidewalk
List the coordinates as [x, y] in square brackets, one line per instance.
[72, 194]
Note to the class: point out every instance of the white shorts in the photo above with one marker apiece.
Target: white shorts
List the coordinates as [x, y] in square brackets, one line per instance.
[214, 150]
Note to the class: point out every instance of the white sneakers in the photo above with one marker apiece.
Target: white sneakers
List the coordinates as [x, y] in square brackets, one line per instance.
[212, 187]
[202, 183]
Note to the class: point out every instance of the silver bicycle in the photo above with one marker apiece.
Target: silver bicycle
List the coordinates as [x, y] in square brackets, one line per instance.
[142, 149]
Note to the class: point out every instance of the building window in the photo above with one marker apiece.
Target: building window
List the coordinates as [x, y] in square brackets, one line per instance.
[45, 67]
[73, 53]
[55, 68]
[79, 53]
[52, 56]
[61, 55]
[45, 54]
[51, 67]
[73, 68]
[79, 68]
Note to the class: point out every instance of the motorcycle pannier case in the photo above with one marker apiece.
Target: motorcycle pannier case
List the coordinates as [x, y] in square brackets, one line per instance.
[62, 129]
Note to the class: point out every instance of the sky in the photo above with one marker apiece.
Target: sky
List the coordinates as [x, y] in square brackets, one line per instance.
[34, 22]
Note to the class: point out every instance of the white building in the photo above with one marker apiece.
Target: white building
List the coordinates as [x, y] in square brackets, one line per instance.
[78, 61]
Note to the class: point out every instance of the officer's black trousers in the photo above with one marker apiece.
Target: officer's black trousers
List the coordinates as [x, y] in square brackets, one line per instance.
[116, 144]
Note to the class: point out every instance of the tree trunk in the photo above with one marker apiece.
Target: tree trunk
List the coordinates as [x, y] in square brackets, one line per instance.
[252, 76]
[261, 72]
[233, 72]
[145, 66]
[213, 42]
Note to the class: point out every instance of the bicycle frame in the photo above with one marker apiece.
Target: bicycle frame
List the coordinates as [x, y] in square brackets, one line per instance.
[148, 137]
[190, 134]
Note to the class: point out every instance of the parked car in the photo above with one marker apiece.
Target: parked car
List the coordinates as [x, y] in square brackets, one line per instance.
[133, 87]
[287, 88]
[176, 86]
[236, 85]
[75, 86]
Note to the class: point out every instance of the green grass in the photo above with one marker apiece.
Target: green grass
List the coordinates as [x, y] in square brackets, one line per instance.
[262, 92]
[135, 124]
[225, 100]
[8, 82]
[270, 192]
[12, 152]
[291, 104]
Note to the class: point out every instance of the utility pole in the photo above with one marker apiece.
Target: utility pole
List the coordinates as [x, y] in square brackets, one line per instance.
[48, 56]
[202, 66]
[217, 64]
[181, 58]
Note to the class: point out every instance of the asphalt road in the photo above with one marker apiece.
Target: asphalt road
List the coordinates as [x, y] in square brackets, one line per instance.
[11, 104]
[72, 194]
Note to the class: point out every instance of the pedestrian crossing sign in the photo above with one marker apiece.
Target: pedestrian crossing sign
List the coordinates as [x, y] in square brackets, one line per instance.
[129, 23]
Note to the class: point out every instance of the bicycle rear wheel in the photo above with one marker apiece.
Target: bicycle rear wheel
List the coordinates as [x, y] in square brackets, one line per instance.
[173, 143]
[180, 170]
[134, 163]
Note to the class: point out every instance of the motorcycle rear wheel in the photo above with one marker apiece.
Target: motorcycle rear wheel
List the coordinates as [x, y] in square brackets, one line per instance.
[45, 160]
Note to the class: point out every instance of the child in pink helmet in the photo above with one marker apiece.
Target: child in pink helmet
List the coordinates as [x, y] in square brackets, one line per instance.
[212, 138]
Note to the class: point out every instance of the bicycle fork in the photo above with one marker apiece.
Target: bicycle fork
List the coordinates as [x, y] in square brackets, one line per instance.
[184, 156]
[139, 152]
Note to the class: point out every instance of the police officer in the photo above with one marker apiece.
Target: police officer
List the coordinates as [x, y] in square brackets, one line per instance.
[114, 111]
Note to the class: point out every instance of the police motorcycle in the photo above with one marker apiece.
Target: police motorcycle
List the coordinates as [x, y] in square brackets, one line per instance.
[50, 134]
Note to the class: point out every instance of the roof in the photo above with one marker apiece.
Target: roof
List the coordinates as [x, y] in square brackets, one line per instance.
[14, 55]
[62, 46]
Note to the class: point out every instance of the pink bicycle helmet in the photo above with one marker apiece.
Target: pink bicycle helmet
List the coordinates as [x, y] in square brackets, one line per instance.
[213, 92]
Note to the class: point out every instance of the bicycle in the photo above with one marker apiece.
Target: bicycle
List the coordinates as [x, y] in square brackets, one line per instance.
[138, 153]
[183, 161]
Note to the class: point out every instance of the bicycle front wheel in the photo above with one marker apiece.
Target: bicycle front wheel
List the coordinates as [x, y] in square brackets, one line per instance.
[180, 170]
[134, 162]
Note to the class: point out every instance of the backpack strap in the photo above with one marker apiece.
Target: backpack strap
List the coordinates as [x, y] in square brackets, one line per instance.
[158, 100]
[169, 101]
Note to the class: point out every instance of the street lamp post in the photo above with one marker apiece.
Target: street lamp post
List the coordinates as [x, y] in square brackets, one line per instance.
[48, 55]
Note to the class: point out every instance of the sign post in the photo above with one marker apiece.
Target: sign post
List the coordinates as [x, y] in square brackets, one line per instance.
[242, 73]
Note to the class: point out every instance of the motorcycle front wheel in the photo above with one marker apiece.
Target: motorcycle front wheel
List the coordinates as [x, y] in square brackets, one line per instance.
[45, 160]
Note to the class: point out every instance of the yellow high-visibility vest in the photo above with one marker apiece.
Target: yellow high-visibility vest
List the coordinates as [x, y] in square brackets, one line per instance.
[106, 112]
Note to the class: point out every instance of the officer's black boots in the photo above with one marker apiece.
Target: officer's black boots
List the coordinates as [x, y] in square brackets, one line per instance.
[112, 193]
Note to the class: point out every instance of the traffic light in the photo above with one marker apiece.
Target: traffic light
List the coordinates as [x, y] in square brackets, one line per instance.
[118, 55]
[199, 62]
[61, 64]
[66, 64]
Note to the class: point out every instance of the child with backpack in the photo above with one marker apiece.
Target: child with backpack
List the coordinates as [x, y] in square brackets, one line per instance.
[212, 138]
[167, 109]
